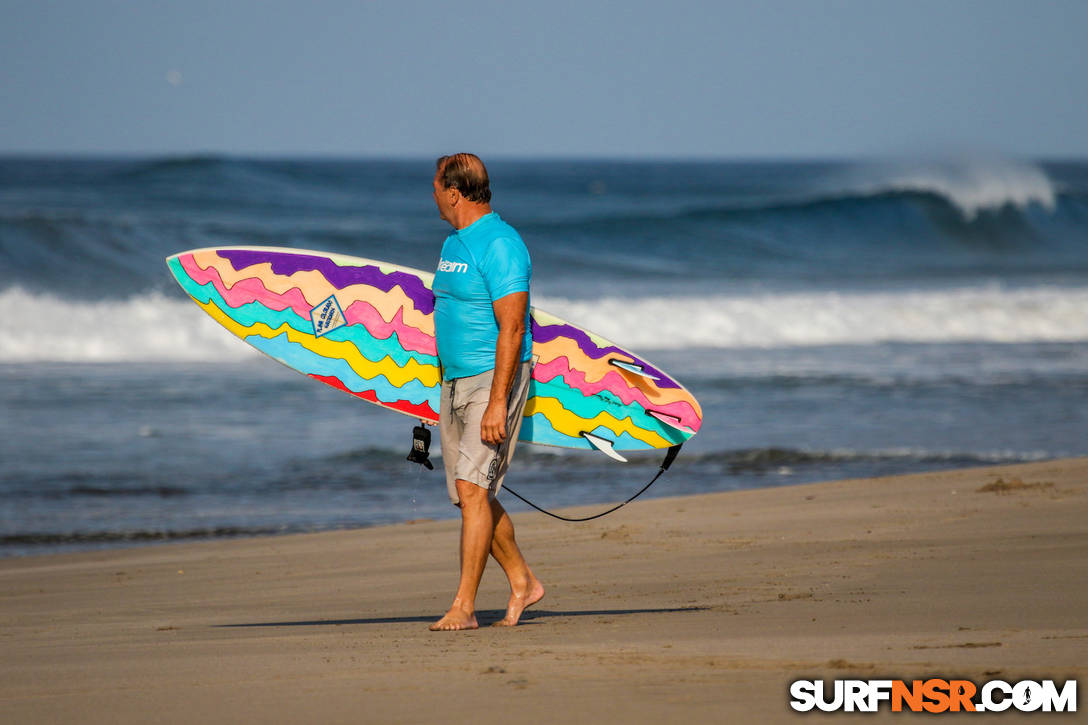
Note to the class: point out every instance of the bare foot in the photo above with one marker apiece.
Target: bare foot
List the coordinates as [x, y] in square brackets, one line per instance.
[454, 620]
[520, 601]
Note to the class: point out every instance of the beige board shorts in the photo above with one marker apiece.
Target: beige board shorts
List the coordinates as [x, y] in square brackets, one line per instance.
[465, 456]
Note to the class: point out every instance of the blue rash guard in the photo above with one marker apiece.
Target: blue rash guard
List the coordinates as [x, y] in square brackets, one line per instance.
[481, 263]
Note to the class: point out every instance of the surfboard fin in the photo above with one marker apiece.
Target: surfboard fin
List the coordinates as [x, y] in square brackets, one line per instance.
[604, 446]
[670, 420]
[633, 368]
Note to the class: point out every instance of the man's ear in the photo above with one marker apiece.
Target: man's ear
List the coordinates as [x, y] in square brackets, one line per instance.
[454, 196]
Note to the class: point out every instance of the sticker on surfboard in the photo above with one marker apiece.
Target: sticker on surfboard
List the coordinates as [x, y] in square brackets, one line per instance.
[327, 316]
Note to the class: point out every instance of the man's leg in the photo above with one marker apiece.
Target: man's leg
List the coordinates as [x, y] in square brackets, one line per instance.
[525, 589]
[477, 531]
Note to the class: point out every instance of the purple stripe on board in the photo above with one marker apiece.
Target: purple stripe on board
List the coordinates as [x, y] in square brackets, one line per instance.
[547, 333]
[285, 263]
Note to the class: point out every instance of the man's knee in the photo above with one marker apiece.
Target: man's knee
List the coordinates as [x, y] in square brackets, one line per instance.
[471, 495]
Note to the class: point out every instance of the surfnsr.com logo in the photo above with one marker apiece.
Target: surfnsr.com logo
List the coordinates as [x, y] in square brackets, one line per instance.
[933, 695]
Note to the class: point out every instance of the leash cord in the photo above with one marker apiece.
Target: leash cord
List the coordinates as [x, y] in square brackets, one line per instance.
[669, 458]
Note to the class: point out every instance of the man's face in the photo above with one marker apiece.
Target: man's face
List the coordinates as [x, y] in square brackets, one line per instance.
[442, 199]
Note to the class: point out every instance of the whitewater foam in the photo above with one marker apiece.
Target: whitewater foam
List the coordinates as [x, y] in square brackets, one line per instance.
[970, 314]
[153, 327]
[150, 327]
[37, 327]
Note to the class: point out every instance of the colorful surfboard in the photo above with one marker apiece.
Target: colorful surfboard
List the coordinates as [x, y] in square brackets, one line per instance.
[367, 328]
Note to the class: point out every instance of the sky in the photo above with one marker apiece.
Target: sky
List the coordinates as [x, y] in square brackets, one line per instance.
[561, 78]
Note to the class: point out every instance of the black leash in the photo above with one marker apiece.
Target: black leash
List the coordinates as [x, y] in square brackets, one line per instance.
[669, 458]
[421, 446]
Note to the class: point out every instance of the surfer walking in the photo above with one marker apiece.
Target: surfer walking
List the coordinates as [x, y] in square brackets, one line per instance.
[484, 343]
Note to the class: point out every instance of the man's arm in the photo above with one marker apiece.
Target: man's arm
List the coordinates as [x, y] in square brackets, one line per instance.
[510, 315]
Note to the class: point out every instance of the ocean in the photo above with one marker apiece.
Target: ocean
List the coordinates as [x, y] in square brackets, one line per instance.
[834, 319]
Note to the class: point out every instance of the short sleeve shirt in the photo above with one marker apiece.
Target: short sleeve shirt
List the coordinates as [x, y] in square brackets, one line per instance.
[481, 263]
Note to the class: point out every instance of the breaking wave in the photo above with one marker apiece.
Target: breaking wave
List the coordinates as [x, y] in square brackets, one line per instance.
[971, 187]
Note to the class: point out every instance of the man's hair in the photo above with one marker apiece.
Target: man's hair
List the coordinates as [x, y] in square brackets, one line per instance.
[467, 174]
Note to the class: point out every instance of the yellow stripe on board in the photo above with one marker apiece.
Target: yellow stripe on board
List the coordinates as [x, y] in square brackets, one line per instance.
[366, 369]
[571, 424]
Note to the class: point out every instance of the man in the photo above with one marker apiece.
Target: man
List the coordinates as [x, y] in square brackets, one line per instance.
[481, 315]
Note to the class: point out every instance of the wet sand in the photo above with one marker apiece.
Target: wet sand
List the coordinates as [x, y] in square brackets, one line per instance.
[695, 609]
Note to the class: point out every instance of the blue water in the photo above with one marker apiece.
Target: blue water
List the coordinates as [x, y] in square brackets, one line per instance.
[834, 320]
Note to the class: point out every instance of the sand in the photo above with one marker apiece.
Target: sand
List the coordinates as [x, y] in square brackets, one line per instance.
[695, 609]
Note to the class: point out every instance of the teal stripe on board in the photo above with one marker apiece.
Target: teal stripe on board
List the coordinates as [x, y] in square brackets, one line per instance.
[310, 363]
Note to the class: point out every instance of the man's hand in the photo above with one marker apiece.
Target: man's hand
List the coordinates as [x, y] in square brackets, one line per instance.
[493, 424]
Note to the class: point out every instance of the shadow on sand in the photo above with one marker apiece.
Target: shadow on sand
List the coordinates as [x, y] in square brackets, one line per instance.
[484, 617]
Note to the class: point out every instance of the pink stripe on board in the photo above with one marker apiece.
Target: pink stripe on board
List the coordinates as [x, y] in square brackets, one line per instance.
[250, 289]
[614, 383]
[411, 338]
